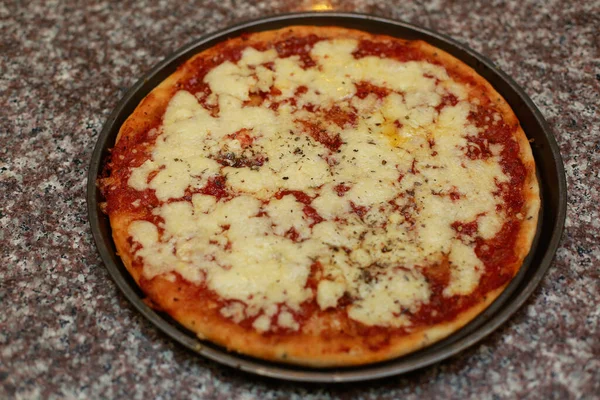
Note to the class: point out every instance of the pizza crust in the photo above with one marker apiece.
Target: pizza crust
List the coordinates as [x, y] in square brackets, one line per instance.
[308, 350]
[310, 346]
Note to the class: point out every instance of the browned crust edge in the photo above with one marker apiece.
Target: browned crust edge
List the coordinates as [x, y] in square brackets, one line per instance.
[301, 349]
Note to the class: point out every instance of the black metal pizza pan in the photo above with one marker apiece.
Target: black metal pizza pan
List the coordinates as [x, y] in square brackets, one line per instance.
[545, 151]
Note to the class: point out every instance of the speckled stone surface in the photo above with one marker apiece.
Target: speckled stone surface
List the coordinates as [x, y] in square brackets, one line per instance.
[67, 332]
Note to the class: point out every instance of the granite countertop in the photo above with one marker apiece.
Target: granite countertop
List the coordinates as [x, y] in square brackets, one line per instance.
[67, 332]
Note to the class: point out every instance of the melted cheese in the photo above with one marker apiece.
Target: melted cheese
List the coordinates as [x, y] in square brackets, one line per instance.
[329, 292]
[398, 162]
[384, 302]
[287, 214]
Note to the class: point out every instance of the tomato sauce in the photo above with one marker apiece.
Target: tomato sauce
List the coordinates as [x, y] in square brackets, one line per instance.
[340, 117]
[499, 132]
[363, 89]
[400, 51]
[313, 215]
[465, 228]
[454, 194]
[293, 234]
[125, 200]
[216, 187]
[299, 195]
[361, 211]
[300, 90]
[447, 100]
[300, 47]
[478, 148]
[332, 142]
[305, 199]
[341, 189]
[131, 151]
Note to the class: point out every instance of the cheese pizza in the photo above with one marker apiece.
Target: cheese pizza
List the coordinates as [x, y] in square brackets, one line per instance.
[322, 196]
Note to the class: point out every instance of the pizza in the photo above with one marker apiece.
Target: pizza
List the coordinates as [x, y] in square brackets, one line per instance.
[322, 196]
